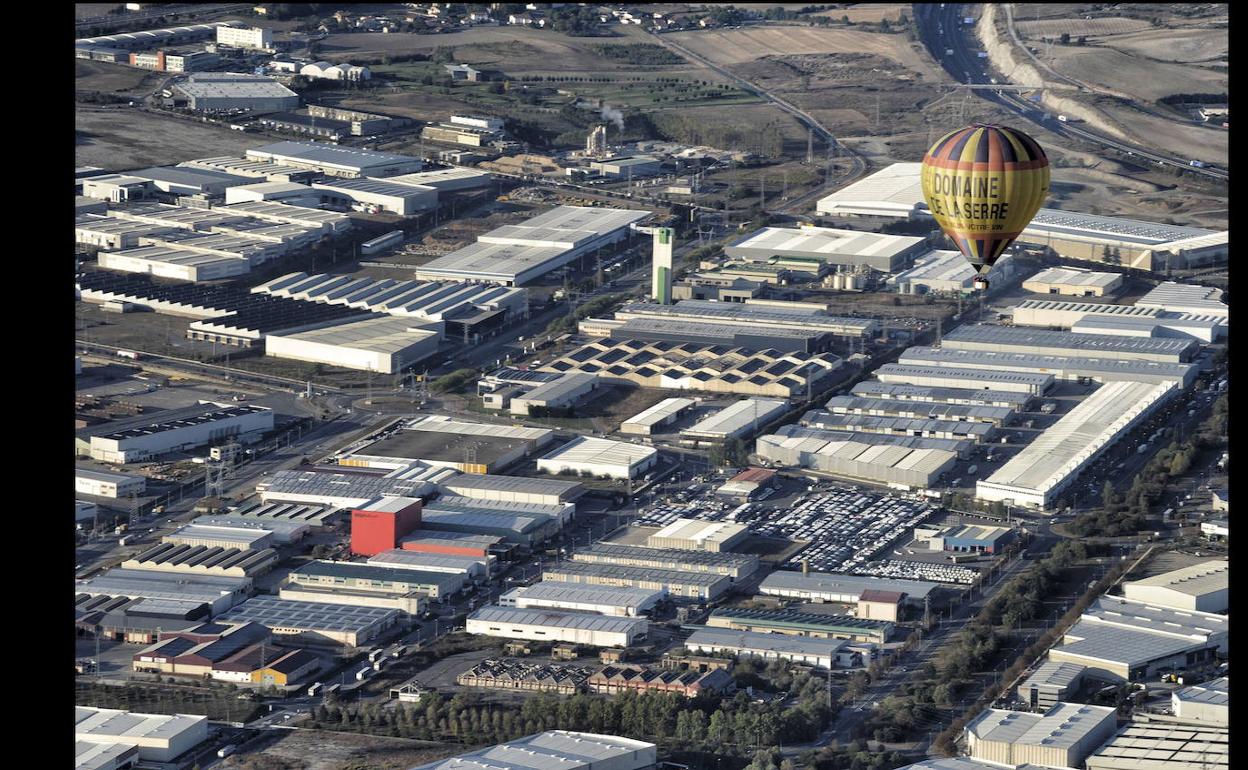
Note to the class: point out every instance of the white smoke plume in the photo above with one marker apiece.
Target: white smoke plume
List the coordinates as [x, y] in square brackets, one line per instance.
[613, 115]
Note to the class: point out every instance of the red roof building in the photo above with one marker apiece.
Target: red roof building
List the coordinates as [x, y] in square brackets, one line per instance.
[379, 524]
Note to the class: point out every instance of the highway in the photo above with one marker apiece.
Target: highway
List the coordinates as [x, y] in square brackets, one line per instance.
[942, 28]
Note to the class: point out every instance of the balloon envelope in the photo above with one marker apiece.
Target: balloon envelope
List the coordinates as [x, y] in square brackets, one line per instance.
[983, 184]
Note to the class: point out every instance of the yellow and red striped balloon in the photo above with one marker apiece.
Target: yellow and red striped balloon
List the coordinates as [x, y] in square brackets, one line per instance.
[983, 184]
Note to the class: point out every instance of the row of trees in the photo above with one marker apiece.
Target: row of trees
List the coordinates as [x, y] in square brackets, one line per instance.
[594, 307]
[737, 725]
[1128, 513]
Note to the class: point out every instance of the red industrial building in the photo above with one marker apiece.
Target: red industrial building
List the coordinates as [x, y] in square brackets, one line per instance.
[450, 543]
[379, 524]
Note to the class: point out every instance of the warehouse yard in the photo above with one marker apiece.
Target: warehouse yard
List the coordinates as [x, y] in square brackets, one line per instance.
[116, 138]
[329, 750]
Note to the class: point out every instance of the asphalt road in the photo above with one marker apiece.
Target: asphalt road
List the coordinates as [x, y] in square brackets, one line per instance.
[942, 28]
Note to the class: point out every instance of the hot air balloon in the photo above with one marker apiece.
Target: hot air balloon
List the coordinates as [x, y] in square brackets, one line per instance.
[983, 184]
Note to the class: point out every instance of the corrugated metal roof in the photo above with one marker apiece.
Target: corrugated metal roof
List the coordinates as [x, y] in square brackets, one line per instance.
[558, 619]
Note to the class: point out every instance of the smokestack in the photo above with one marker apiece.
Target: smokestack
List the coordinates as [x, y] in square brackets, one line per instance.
[806, 566]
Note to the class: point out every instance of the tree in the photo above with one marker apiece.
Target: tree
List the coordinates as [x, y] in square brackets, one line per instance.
[1065, 38]
[1109, 499]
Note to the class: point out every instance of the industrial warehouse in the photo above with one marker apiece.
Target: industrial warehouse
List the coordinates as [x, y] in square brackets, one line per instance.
[1073, 282]
[820, 653]
[1120, 640]
[909, 461]
[877, 390]
[331, 160]
[895, 192]
[664, 413]
[1025, 365]
[1200, 588]
[1042, 342]
[475, 568]
[313, 623]
[193, 427]
[1037, 475]
[678, 584]
[514, 489]
[619, 601]
[849, 248]
[514, 255]
[557, 626]
[710, 368]
[946, 272]
[698, 535]
[802, 624]
[599, 458]
[557, 748]
[1133, 320]
[441, 441]
[716, 562]
[386, 345]
[1062, 737]
[1032, 383]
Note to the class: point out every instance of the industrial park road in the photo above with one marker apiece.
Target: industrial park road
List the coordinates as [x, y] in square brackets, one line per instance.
[942, 27]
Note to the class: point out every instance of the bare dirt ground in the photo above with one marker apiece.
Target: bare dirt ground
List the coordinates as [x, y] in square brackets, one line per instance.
[124, 138]
[114, 78]
[1143, 78]
[91, 10]
[330, 750]
[1175, 45]
[735, 46]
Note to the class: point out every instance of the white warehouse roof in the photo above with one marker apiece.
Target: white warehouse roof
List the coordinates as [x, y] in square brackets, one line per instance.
[93, 724]
[555, 750]
[1196, 580]
[894, 191]
[587, 450]
[1063, 726]
[664, 410]
[1045, 465]
[700, 531]
[1185, 298]
[736, 418]
[833, 583]
[558, 619]
[1073, 277]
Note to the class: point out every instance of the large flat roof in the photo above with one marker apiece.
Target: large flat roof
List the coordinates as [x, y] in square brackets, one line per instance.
[554, 750]
[112, 478]
[518, 484]
[664, 410]
[773, 316]
[386, 334]
[151, 584]
[737, 416]
[625, 572]
[701, 531]
[579, 593]
[1196, 580]
[590, 450]
[801, 620]
[1067, 445]
[375, 572]
[751, 641]
[1030, 338]
[1061, 727]
[424, 299]
[1149, 745]
[894, 190]
[1038, 365]
[328, 155]
[936, 411]
[274, 612]
[1182, 297]
[1036, 379]
[558, 619]
[822, 241]
[933, 394]
[100, 723]
[439, 438]
[827, 582]
[1069, 276]
[1053, 674]
[671, 555]
[232, 85]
